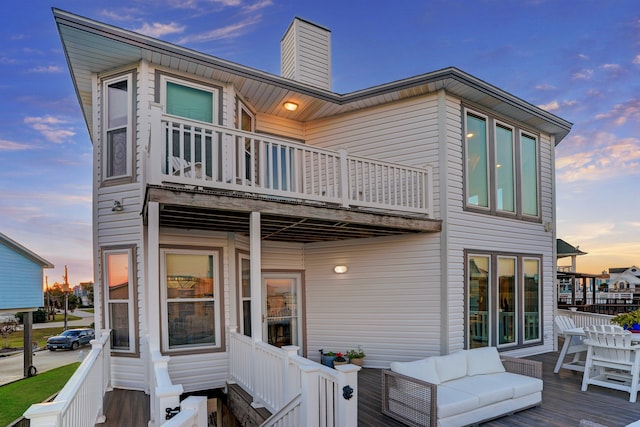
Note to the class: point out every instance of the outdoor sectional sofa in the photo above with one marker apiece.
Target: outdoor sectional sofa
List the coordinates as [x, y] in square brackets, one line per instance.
[461, 388]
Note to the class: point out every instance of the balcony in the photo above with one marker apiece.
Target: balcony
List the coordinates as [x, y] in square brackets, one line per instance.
[213, 157]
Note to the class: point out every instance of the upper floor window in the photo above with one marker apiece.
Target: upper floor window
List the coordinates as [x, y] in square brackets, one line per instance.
[118, 126]
[191, 101]
[501, 167]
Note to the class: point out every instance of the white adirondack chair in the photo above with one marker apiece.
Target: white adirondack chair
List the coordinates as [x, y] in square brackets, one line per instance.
[573, 344]
[612, 361]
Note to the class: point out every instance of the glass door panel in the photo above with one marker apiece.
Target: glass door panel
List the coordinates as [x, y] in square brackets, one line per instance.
[282, 309]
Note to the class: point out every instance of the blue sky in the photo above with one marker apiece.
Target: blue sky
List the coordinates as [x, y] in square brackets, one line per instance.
[577, 59]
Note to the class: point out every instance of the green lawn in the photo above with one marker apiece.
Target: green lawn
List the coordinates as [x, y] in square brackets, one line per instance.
[15, 398]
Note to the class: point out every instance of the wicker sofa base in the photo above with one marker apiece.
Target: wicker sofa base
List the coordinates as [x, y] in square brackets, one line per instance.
[414, 402]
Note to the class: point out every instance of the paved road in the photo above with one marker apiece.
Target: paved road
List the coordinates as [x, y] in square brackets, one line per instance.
[11, 367]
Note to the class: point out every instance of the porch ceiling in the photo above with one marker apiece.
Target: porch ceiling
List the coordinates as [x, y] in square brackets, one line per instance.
[281, 220]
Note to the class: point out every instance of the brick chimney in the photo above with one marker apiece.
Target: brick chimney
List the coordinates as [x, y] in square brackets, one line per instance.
[305, 51]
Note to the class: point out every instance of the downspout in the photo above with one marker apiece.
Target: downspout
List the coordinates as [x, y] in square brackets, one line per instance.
[444, 246]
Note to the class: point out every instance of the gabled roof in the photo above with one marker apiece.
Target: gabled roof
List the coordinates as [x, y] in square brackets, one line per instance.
[17, 247]
[564, 249]
[94, 47]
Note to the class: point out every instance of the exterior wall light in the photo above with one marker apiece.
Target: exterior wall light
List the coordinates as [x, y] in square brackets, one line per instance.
[117, 206]
[290, 106]
[340, 269]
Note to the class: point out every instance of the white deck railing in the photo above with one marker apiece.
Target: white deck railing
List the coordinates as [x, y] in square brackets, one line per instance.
[80, 402]
[297, 391]
[582, 319]
[217, 157]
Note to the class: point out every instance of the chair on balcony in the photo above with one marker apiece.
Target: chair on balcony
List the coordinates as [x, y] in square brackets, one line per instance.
[612, 361]
[573, 344]
[181, 167]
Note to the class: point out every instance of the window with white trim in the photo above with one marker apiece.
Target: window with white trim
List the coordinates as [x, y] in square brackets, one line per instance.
[191, 292]
[119, 285]
[503, 299]
[502, 171]
[118, 112]
[189, 100]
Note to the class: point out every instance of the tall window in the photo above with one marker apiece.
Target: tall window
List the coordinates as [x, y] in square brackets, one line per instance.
[191, 291]
[477, 167]
[117, 124]
[244, 290]
[119, 298]
[503, 300]
[529, 167]
[501, 168]
[531, 272]
[505, 173]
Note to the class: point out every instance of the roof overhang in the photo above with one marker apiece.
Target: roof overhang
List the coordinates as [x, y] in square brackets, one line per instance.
[92, 48]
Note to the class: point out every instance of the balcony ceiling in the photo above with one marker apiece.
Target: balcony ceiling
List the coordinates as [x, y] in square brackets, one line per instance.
[281, 220]
[93, 47]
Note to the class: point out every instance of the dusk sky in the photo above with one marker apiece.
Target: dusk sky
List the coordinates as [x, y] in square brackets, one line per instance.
[577, 59]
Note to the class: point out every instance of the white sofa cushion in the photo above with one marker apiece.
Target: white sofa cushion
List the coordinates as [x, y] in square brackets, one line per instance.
[423, 369]
[451, 366]
[522, 385]
[453, 402]
[487, 388]
[485, 360]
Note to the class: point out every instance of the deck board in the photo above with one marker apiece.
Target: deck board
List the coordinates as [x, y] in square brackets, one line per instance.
[563, 404]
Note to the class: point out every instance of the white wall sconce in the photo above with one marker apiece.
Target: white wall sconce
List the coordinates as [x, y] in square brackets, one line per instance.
[290, 106]
[117, 206]
[340, 269]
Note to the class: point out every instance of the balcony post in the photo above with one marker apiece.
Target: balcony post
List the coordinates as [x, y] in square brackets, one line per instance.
[155, 146]
[344, 177]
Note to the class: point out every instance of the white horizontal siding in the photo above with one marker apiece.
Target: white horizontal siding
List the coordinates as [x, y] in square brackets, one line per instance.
[199, 371]
[306, 54]
[404, 132]
[128, 373]
[387, 302]
[279, 126]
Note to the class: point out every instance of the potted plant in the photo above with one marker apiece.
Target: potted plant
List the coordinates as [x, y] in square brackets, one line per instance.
[339, 360]
[629, 320]
[327, 358]
[356, 357]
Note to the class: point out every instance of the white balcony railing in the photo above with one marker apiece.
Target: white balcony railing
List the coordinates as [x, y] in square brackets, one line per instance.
[80, 402]
[297, 391]
[217, 157]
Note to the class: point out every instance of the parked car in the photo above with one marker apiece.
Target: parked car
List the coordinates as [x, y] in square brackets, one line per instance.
[71, 339]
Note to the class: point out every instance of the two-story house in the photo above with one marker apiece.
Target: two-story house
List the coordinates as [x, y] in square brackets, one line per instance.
[412, 218]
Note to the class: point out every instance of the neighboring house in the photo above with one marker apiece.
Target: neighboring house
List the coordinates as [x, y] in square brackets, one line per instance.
[625, 278]
[21, 277]
[563, 250]
[220, 207]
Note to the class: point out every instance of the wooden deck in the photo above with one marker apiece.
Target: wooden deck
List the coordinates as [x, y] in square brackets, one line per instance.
[563, 404]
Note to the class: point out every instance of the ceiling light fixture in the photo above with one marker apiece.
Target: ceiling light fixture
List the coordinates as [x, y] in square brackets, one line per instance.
[290, 106]
[340, 269]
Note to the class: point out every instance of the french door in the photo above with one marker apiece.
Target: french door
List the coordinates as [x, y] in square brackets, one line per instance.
[282, 308]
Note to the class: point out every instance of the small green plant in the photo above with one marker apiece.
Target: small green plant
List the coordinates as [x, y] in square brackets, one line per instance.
[627, 320]
[355, 354]
[340, 357]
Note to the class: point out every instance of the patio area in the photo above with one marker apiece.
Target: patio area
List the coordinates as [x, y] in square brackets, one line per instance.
[563, 404]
